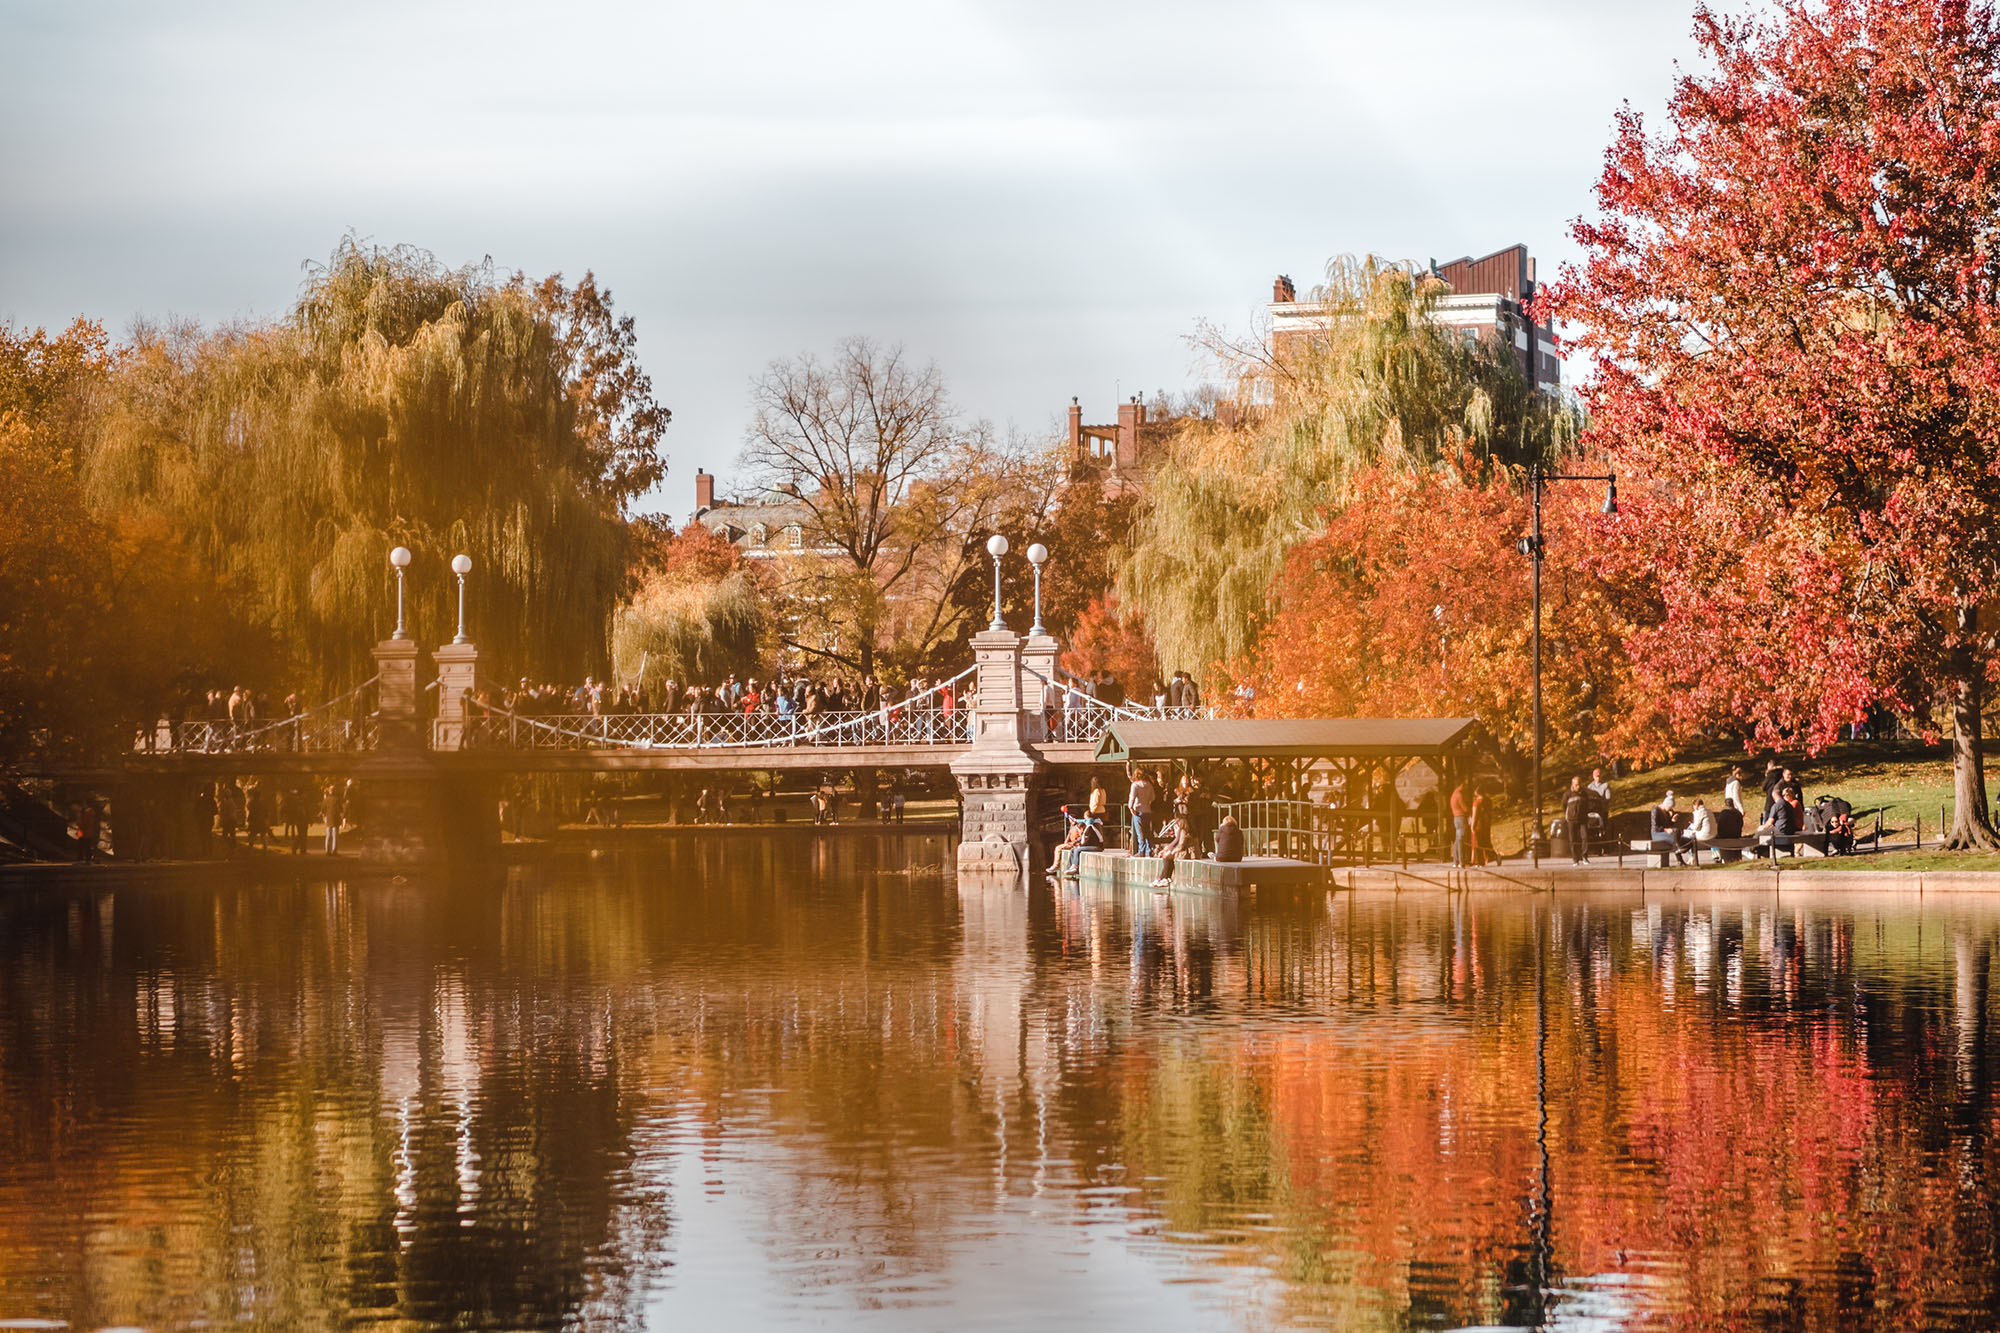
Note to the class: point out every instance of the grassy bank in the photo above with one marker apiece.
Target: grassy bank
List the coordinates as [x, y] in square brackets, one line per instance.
[1910, 784]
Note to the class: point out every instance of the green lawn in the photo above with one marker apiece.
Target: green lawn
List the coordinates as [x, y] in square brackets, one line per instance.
[1909, 782]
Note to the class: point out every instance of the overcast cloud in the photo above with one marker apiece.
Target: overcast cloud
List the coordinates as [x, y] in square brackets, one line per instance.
[1044, 197]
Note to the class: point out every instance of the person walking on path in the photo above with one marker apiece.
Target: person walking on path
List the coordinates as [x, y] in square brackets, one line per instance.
[228, 814]
[1461, 827]
[330, 810]
[1601, 789]
[1576, 821]
[87, 830]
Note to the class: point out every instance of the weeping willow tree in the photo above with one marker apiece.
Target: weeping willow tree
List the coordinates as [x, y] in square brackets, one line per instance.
[1381, 381]
[400, 402]
[692, 631]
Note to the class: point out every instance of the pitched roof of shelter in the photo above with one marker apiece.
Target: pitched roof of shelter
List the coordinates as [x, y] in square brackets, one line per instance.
[1282, 738]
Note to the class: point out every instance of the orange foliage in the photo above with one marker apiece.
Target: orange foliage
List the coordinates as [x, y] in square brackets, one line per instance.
[1414, 602]
[1107, 642]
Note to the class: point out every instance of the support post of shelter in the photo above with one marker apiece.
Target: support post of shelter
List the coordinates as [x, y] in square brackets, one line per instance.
[997, 776]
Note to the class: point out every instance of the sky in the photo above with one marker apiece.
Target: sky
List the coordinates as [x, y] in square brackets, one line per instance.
[1044, 198]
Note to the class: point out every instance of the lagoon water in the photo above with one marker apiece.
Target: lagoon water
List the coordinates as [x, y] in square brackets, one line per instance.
[738, 1084]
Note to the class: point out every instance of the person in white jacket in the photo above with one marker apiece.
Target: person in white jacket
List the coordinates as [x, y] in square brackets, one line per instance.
[1700, 829]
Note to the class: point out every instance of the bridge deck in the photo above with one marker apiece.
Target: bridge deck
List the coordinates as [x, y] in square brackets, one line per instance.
[193, 763]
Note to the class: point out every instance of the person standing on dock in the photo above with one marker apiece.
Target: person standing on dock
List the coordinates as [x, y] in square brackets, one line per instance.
[1482, 831]
[1461, 827]
[1139, 805]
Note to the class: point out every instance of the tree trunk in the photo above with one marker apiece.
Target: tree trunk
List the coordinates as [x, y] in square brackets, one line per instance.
[1971, 825]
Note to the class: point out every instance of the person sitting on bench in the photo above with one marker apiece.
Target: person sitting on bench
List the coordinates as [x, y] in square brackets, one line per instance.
[1728, 828]
[1700, 830]
[1835, 818]
[1782, 824]
[1666, 840]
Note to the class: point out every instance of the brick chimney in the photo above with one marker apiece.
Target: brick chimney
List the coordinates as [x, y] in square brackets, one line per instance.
[704, 490]
[1130, 416]
[1282, 291]
[1075, 429]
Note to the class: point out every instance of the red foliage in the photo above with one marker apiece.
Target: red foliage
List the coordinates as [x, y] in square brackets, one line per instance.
[1793, 309]
[693, 555]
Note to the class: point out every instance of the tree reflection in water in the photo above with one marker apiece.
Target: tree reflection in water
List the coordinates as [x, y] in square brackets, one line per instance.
[793, 1080]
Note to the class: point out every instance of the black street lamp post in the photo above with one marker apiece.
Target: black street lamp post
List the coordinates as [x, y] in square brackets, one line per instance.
[1533, 546]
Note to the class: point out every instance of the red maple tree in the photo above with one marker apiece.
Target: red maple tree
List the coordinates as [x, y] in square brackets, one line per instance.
[1791, 301]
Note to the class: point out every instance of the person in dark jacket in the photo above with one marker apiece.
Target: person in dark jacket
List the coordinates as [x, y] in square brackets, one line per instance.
[1782, 824]
[1229, 840]
[1665, 836]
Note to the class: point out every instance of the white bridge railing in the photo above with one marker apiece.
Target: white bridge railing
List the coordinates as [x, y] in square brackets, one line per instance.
[499, 728]
[1079, 718]
[935, 717]
[342, 724]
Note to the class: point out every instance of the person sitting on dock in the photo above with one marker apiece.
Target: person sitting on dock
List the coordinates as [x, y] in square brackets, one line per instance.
[1174, 844]
[1229, 842]
[1072, 839]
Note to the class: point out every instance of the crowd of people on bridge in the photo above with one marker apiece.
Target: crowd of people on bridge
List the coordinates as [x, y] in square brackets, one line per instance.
[749, 707]
[779, 695]
[216, 719]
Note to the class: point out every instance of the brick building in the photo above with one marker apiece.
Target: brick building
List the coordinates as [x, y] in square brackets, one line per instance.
[1489, 298]
[1120, 451]
[772, 525]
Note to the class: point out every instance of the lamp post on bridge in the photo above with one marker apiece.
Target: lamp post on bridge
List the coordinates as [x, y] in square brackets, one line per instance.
[461, 565]
[1533, 547]
[1038, 555]
[400, 558]
[996, 546]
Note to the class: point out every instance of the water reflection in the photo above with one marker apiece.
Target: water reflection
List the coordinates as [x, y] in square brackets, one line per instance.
[805, 1082]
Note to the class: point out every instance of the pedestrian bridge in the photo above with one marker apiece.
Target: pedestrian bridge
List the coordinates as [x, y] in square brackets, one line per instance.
[928, 730]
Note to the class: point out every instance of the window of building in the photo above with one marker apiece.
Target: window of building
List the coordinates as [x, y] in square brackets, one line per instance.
[758, 534]
[795, 536]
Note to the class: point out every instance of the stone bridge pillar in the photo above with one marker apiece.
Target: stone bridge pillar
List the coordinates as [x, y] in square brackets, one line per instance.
[399, 696]
[997, 775]
[1038, 666]
[458, 672]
